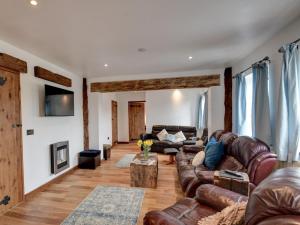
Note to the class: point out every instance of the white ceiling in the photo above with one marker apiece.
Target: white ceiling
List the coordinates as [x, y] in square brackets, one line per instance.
[83, 35]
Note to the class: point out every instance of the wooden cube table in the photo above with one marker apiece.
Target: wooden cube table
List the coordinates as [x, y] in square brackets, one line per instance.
[144, 173]
[234, 184]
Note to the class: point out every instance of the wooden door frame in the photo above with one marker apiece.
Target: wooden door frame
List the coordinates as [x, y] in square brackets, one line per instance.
[17, 66]
[112, 105]
[19, 139]
[129, 138]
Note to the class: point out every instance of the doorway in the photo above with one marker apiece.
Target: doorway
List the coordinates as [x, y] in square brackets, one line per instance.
[136, 118]
[11, 157]
[114, 119]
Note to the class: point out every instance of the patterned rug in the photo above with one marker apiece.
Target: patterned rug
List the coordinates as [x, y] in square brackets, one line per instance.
[125, 161]
[108, 206]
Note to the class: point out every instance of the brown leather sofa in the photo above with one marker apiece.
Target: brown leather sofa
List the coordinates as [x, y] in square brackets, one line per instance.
[244, 154]
[159, 146]
[275, 201]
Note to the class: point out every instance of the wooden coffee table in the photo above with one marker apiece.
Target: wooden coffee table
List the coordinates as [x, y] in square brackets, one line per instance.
[144, 173]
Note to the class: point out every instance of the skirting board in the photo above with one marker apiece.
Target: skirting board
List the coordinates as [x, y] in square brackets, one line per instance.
[44, 186]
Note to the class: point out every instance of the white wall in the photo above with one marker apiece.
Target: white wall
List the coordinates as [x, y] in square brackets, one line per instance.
[47, 130]
[172, 107]
[270, 48]
[100, 125]
[216, 109]
[123, 124]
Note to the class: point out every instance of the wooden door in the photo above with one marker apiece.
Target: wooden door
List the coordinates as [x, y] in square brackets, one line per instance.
[114, 118]
[136, 117]
[11, 161]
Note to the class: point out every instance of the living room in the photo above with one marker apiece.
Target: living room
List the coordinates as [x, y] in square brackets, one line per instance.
[109, 112]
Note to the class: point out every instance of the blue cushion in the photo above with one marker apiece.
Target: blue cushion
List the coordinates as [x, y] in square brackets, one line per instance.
[213, 154]
[210, 142]
[170, 137]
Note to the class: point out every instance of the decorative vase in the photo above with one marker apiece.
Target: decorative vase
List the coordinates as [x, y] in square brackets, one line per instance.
[146, 152]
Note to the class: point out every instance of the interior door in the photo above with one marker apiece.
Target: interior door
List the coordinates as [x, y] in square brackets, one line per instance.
[114, 118]
[11, 161]
[136, 114]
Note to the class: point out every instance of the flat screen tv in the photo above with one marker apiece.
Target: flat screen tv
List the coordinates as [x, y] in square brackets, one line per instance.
[58, 102]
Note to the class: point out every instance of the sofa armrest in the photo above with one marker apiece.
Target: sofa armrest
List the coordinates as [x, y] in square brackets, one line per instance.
[160, 218]
[146, 136]
[217, 197]
[192, 148]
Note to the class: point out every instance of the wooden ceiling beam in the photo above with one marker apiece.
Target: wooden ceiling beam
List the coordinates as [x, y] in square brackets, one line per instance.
[13, 63]
[53, 77]
[157, 84]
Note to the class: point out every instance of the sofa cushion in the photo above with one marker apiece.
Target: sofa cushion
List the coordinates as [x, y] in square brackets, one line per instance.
[162, 135]
[230, 163]
[179, 137]
[213, 155]
[198, 159]
[189, 211]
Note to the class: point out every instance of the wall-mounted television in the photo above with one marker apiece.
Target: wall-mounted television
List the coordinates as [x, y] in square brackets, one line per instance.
[58, 102]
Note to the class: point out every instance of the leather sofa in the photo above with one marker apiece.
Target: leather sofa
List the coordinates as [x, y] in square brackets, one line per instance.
[275, 201]
[159, 146]
[244, 154]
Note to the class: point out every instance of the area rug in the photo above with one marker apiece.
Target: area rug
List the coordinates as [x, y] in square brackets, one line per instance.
[108, 206]
[125, 161]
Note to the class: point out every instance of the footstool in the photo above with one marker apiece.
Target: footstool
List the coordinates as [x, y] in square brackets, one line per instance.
[172, 153]
[89, 159]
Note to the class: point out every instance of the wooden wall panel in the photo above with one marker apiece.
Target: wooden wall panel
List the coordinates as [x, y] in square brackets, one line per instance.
[85, 113]
[228, 99]
[53, 77]
[157, 84]
[13, 63]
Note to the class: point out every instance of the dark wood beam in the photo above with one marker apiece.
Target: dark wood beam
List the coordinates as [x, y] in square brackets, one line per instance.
[85, 114]
[13, 63]
[157, 84]
[228, 99]
[53, 77]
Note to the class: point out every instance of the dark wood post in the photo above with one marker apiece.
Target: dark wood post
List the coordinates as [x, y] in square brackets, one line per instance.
[85, 110]
[228, 99]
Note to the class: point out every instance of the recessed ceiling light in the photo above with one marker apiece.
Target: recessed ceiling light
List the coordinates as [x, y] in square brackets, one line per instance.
[33, 2]
[105, 65]
[190, 58]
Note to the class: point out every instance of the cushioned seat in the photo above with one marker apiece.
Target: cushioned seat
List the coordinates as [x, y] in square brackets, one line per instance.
[90, 153]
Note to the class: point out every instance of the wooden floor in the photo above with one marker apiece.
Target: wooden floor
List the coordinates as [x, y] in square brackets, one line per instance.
[54, 204]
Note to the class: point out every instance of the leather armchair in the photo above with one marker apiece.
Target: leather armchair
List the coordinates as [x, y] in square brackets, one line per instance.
[275, 201]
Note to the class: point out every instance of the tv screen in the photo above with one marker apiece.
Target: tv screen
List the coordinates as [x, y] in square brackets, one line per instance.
[58, 102]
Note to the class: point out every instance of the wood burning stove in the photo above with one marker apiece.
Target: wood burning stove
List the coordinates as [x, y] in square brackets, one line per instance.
[60, 159]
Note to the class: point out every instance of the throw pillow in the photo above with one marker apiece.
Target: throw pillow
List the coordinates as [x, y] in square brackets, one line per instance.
[213, 155]
[170, 137]
[179, 137]
[198, 159]
[231, 215]
[162, 135]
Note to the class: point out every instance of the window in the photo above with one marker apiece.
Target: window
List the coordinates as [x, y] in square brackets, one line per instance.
[246, 128]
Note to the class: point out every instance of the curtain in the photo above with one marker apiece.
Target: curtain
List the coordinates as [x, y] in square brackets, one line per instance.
[261, 124]
[240, 103]
[287, 144]
[202, 112]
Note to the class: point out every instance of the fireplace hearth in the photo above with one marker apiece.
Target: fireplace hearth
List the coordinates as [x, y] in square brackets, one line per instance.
[59, 156]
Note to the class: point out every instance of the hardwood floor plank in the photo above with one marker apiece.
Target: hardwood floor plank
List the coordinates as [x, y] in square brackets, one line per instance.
[52, 205]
